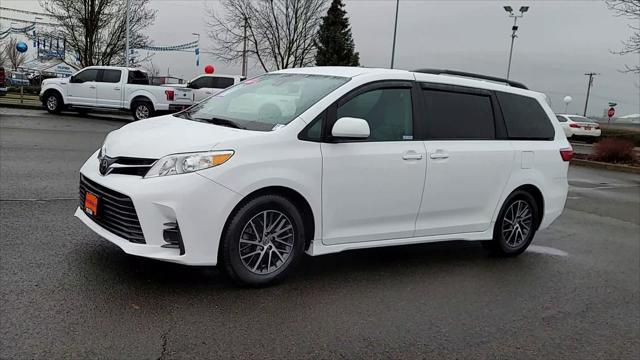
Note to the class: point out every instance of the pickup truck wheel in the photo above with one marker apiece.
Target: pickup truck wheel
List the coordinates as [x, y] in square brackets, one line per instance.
[142, 110]
[53, 103]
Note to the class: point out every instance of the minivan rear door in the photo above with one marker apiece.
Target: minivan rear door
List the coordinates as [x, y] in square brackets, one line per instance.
[468, 165]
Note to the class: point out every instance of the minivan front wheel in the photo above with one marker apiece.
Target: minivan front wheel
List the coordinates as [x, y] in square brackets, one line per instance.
[516, 225]
[263, 241]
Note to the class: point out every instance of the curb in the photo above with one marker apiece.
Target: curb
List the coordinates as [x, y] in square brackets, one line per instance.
[22, 106]
[607, 166]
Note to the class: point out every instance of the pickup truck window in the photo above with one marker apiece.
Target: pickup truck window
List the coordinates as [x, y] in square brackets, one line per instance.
[138, 77]
[111, 76]
[86, 75]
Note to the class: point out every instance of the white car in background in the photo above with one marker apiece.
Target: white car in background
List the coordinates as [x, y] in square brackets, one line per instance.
[203, 86]
[579, 126]
[108, 87]
[327, 159]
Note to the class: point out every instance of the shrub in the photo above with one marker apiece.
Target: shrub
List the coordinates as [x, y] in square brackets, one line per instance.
[614, 150]
[622, 133]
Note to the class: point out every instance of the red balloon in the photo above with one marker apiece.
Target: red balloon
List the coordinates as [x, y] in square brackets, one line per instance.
[209, 69]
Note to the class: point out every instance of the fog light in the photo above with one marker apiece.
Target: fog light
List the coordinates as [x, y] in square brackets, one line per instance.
[172, 237]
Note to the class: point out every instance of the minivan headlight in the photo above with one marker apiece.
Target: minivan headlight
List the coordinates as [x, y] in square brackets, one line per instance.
[186, 163]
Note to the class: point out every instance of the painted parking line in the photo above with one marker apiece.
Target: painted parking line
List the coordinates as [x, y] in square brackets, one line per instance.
[547, 250]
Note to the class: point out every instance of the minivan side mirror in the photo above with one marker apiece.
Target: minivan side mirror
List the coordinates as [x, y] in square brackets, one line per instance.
[350, 128]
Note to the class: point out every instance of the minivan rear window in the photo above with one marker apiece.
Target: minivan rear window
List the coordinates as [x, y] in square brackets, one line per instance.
[525, 118]
[458, 116]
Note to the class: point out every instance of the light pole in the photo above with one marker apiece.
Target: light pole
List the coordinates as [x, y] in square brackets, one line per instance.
[197, 50]
[514, 28]
[35, 37]
[395, 30]
[126, 56]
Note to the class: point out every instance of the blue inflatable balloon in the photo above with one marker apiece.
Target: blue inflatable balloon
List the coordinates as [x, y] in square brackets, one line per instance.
[21, 47]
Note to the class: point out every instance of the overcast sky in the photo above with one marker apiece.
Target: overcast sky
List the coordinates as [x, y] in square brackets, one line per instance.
[558, 41]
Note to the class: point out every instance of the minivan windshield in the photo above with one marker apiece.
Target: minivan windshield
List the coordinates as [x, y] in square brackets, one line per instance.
[265, 102]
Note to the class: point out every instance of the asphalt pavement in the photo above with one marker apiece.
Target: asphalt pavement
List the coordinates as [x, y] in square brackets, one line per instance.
[66, 293]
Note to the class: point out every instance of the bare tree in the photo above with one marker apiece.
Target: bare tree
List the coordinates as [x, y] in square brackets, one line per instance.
[13, 56]
[279, 33]
[3, 54]
[631, 10]
[96, 29]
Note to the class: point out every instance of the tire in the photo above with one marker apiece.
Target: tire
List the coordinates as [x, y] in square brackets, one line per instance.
[521, 208]
[53, 102]
[252, 259]
[142, 110]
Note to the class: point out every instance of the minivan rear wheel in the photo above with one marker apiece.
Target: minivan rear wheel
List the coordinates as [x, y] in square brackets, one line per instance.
[516, 225]
[263, 241]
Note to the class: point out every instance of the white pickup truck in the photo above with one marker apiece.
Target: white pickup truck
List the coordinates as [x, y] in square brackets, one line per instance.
[109, 87]
[203, 86]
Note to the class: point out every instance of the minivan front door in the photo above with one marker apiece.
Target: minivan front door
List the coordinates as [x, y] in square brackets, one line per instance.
[467, 166]
[371, 189]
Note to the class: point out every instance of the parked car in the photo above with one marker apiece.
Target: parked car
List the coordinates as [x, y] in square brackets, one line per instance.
[3, 82]
[367, 158]
[203, 86]
[108, 87]
[18, 79]
[576, 126]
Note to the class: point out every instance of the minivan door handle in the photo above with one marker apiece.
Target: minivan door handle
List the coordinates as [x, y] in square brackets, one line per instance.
[439, 154]
[411, 155]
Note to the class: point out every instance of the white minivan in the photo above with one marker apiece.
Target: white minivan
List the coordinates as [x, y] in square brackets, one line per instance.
[351, 158]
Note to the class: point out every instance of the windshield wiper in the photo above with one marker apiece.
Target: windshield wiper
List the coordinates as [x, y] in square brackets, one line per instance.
[222, 122]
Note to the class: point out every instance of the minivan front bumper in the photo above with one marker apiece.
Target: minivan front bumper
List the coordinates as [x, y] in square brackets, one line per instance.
[198, 205]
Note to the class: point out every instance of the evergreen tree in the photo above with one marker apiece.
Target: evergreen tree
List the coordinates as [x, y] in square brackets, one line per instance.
[334, 43]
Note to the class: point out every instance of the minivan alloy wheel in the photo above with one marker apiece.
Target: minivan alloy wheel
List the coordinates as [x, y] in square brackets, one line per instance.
[517, 223]
[266, 242]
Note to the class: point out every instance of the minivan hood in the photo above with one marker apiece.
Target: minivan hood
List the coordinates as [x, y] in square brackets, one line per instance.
[157, 137]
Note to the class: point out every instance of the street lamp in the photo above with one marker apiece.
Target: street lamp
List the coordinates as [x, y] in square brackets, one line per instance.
[35, 36]
[514, 29]
[395, 30]
[197, 50]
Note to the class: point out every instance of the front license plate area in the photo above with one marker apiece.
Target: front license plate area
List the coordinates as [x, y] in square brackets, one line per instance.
[91, 204]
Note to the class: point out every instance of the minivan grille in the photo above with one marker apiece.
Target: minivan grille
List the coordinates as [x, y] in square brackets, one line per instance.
[125, 165]
[116, 212]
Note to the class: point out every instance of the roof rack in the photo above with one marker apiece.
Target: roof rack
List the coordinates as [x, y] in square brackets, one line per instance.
[472, 75]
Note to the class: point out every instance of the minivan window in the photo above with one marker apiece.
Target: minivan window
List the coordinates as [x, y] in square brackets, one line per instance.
[388, 112]
[111, 76]
[524, 117]
[266, 101]
[456, 116]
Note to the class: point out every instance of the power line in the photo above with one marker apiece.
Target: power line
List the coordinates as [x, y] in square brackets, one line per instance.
[27, 21]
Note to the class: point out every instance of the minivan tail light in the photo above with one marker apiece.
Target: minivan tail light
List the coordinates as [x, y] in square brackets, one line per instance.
[567, 154]
[574, 125]
[170, 95]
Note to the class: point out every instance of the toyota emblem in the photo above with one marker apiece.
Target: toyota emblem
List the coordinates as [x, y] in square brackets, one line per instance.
[104, 166]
